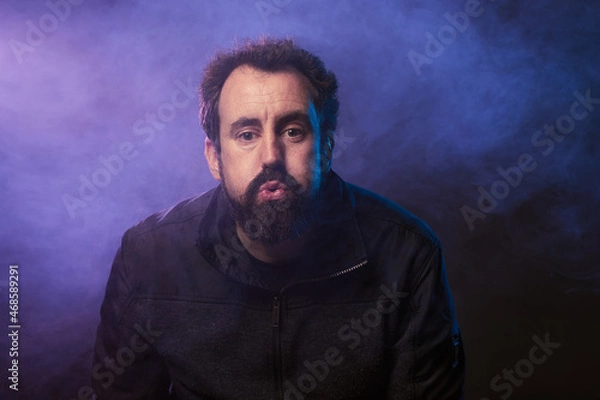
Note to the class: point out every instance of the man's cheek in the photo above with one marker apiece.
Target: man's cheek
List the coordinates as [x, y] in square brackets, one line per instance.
[231, 184]
[310, 168]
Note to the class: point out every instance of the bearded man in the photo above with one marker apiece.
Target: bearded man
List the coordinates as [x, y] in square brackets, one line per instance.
[284, 281]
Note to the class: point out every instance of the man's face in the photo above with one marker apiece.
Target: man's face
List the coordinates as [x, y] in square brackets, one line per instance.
[268, 162]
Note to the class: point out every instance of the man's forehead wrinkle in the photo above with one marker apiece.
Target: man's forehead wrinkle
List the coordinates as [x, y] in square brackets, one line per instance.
[258, 101]
[275, 96]
[275, 110]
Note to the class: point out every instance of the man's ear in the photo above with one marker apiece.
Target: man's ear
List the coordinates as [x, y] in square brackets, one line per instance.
[328, 144]
[212, 158]
[331, 141]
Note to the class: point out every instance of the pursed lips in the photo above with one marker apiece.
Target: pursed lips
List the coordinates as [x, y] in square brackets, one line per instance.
[272, 190]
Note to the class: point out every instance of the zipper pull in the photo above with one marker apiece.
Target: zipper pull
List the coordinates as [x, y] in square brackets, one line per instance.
[275, 312]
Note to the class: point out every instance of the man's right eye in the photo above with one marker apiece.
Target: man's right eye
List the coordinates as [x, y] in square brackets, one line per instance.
[246, 136]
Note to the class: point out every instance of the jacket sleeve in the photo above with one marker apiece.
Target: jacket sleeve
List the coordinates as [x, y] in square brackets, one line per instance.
[430, 362]
[126, 364]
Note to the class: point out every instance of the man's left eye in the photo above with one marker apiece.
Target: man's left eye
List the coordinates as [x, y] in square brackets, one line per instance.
[294, 133]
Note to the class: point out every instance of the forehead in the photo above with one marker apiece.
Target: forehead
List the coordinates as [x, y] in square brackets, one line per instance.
[248, 90]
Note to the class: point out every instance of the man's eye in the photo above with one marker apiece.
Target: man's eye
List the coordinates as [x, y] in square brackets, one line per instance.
[294, 133]
[246, 136]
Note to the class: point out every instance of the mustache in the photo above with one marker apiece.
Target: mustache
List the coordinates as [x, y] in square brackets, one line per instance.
[275, 173]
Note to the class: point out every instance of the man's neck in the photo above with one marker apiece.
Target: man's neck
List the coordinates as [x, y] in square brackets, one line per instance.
[278, 252]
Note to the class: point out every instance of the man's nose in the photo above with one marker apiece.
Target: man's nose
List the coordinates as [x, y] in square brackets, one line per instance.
[272, 152]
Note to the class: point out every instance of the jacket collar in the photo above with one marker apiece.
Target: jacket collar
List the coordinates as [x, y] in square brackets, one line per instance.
[338, 244]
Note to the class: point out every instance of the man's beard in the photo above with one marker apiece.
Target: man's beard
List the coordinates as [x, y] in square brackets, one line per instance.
[273, 221]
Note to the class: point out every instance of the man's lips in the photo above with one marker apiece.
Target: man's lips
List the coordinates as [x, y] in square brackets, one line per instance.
[272, 190]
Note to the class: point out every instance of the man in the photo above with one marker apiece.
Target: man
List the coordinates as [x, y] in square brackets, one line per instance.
[284, 282]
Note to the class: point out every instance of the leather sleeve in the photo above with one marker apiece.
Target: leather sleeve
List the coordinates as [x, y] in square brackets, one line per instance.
[429, 363]
[126, 364]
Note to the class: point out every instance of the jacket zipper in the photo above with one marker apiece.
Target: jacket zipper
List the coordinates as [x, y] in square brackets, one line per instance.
[277, 324]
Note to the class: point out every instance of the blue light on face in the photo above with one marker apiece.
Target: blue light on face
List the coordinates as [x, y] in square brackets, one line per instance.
[318, 171]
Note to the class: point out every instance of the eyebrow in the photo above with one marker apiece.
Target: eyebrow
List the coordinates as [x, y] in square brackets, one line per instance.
[244, 122]
[300, 116]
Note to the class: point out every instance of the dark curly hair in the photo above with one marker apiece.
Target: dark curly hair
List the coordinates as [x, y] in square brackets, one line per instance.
[270, 55]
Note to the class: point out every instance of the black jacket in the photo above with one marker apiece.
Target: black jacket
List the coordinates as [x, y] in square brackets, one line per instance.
[367, 314]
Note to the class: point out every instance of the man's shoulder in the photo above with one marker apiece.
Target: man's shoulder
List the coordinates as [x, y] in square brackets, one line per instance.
[380, 211]
[188, 211]
[156, 253]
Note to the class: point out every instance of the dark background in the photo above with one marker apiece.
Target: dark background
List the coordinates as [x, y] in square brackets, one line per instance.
[426, 135]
